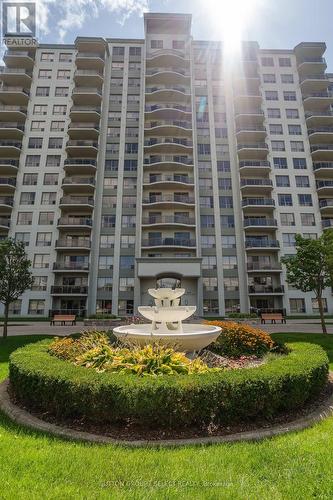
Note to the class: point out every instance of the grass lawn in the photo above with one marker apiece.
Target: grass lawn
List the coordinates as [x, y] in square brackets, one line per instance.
[295, 466]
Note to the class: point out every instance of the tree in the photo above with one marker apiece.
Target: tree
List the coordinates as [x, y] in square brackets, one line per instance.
[311, 268]
[15, 275]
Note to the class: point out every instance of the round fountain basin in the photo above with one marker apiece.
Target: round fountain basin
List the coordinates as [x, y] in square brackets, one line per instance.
[168, 314]
[193, 338]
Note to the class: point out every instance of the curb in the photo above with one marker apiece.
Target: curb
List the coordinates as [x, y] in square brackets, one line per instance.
[24, 418]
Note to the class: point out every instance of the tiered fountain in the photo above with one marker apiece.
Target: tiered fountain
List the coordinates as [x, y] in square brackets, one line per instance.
[167, 316]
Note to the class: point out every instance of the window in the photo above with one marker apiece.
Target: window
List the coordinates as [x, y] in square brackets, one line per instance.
[227, 221]
[178, 44]
[126, 284]
[287, 78]
[108, 221]
[42, 91]
[37, 125]
[61, 92]
[222, 166]
[35, 142]
[47, 56]
[59, 109]
[207, 241]
[130, 165]
[49, 198]
[297, 306]
[24, 218]
[128, 221]
[282, 180]
[109, 201]
[118, 51]
[207, 221]
[15, 307]
[315, 306]
[310, 236]
[278, 146]
[228, 241]
[46, 218]
[269, 78]
[271, 95]
[292, 113]
[131, 147]
[156, 44]
[55, 143]
[204, 149]
[299, 163]
[305, 200]
[30, 179]
[287, 219]
[40, 109]
[53, 160]
[285, 200]
[280, 163]
[23, 238]
[275, 129]
[36, 307]
[308, 219]
[132, 116]
[41, 261]
[134, 82]
[39, 284]
[127, 241]
[209, 284]
[110, 182]
[126, 262]
[57, 126]
[221, 133]
[51, 179]
[209, 262]
[107, 241]
[205, 184]
[273, 113]
[231, 284]
[288, 239]
[129, 182]
[289, 95]
[65, 57]
[117, 66]
[27, 198]
[295, 129]
[43, 239]
[224, 183]
[135, 51]
[45, 73]
[105, 262]
[267, 61]
[226, 202]
[116, 82]
[284, 62]
[302, 181]
[229, 262]
[297, 146]
[32, 161]
[206, 201]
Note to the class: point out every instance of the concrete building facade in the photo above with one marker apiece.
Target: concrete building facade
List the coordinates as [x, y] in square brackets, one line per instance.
[127, 164]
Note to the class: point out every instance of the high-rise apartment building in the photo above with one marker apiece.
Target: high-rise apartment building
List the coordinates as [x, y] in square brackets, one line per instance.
[126, 163]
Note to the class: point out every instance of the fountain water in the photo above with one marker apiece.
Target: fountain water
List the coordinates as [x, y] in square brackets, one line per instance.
[167, 316]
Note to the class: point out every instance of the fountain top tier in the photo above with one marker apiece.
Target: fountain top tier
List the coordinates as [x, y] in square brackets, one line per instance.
[166, 308]
[166, 297]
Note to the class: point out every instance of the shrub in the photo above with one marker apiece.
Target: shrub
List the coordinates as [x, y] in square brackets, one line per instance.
[285, 383]
[239, 339]
[102, 316]
[70, 348]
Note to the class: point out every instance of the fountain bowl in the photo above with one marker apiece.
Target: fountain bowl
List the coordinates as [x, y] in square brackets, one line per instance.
[172, 314]
[193, 338]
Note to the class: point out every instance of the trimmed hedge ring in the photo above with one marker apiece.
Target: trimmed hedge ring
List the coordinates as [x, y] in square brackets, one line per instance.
[45, 383]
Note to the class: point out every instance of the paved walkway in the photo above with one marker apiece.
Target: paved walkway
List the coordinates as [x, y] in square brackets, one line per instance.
[44, 328]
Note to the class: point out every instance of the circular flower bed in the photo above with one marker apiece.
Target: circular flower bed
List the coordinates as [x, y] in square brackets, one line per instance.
[63, 389]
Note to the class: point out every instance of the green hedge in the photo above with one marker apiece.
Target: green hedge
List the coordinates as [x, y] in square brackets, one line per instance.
[45, 383]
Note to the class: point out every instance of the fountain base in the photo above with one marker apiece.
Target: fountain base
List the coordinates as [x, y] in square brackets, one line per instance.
[194, 337]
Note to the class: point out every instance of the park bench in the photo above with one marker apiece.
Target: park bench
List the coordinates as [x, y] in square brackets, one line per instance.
[273, 317]
[63, 319]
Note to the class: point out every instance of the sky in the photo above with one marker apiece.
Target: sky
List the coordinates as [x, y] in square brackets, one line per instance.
[273, 23]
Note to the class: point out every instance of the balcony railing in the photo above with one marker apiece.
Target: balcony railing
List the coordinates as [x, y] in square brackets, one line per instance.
[260, 202]
[75, 266]
[259, 145]
[85, 109]
[179, 88]
[87, 90]
[4, 221]
[176, 107]
[326, 203]
[260, 222]
[75, 290]
[309, 114]
[155, 71]
[90, 54]
[254, 163]
[168, 140]
[83, 125]
[80, 161]
[253, 111]
[73, 243]
[8, 107]
[169, 242]
[313, 77]
[256, 182]
[322, 164]
[6, 200]
[78, 180]
[169, 198]
[168, 158]
[75, 221]
[258, 266]
[259, 243]
[18, 126]
[10, 143]
[87, 72]
[320, 129]
[77, 200]
[312, 60]
[166, 123]
[4, 88]
[10, 53]
[322, 184]
[327, 223]
[168, 178]
[8, 161]
[318, 94]
[247, 128]
[260, 289]
[92, 144]
[168, 220]
[321, 147]
[7, 181]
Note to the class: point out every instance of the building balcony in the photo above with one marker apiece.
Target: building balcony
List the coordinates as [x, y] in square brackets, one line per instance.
[259, 223]
[88, 77]
[69, 290]
[315, 82]
[78, 184]
[254, 167]
[169, 200]
[15, 76]
[83, 130]
[323, 167]
[4, 223]
[244, 98]
[7, 184]
[168, 242]
[312, 65]
[261, 244]
[255, 185]
[74, 222]
[321, 134]
[317, 100]
[171, 93]
[18, 59]
[172, 220]
[168, 180]
[168, 75]
[324, 186]
[80, 243]
[10, 147]
[169, 161]
[319, 118]
[167, 111]
[172, 128]
[6, 202]
[255, 150]
[11, 130]
[81, 202]
[265, 290]
[8, 165]
[245, 116]
[250, 133]
[267, 203]
[167, 57]
[85, 113]
[264, 268]
[80, 165]
[68, 266]
[327, 223]
[81, 148]
[167, 145]
[90, 60]
[12, 113]
[87, 96]
[14, 95]
[326, 205]
[322, 151]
